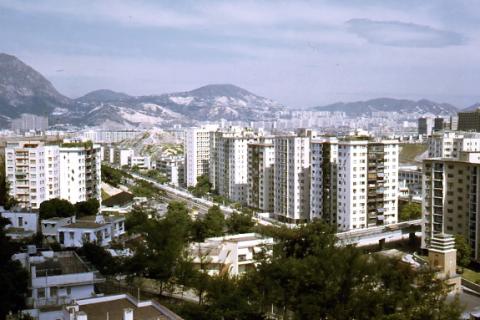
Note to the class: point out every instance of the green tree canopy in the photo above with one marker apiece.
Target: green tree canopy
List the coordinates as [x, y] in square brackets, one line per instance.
[212, 225]
[100, 258]
[87, 208]
[56, 208]
[13, 278]
[464, 251]
[202, 187]
[240, 223]
[410, 211]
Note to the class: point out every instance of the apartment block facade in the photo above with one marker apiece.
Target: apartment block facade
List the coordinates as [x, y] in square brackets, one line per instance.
[32, 170]
[292, 178]
[37, 172]
[449, 144]
[451, 196]
[197, 153]
[229, 163]
[261, 160]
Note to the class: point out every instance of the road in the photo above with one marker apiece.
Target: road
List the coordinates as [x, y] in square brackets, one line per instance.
[179, 195]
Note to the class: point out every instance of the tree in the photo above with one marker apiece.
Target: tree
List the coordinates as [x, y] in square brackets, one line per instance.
[13, 278]
[136, 219]
[410, 211]
[202, 187]
[212, 225]
[100, 258]
[87, 208]
[240, 223]
[56, 208]
[464, 251]
[309, 277]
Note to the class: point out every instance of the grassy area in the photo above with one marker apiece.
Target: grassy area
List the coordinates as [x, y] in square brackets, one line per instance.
[409, 151]
[471, 275]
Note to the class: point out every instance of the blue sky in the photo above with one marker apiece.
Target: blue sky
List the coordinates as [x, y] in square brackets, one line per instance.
[301, 53]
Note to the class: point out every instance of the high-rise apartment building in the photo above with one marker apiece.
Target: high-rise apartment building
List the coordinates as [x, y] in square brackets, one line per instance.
[37, 172]
[80, 171]
[32, 170]
[261, 160]
[292, 177]
[425, 126]
[28, 122]
[229, 163]
[450, 144]
[469, 120]
[354, 182]
[197, 153]
[323, 183]
[451, 194]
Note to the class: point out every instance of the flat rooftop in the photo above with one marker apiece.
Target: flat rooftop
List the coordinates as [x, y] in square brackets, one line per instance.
[66, 262]
[85, 225]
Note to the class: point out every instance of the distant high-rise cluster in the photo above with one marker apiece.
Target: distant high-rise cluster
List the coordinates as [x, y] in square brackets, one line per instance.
[350, 182]
[29, 122]
[37, 171]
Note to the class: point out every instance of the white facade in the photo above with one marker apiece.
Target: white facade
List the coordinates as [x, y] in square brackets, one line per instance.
[50, 226]
[96, 229]
[22, 224]
[450, 144]
[143, 162]
[367, 192]
[173, 168]
[292, 178]
[122, 156]
[57, 278]
[233, 255]
[80, 175]
[110, 136]
[229, 163]
[197, 153]
[32, 170]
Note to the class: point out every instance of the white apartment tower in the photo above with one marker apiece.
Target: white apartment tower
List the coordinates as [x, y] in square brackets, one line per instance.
[229, 163]
[32, 170]
[197, 153]
[292, 178]
[261, 160]
[80, 171]
[367, 183]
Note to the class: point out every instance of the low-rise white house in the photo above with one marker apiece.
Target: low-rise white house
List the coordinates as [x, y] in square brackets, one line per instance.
[22, 224]
[233, 254]
[98, 229]
[57, 278]
[50, 226]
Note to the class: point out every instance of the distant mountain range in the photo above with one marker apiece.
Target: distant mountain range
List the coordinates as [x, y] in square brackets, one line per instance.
[366, 108]
[24, 90]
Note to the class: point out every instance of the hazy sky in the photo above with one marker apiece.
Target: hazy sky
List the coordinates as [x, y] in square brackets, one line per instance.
[301, 53]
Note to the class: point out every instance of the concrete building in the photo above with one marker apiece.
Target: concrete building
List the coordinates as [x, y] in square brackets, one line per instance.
[292, 178]
[80, 175]
[229, 162]
[32, 170]
[142, 162]
[29, 122]
[451, 196]
[122, 156]
[323, 182]
[449, 144]
[50, 226]
[260, 175]
[367, 192]
[469, 120]
[110, 136]
[425, 126]
[56, 278]
[173, 168]
[442, 256]
[197, 153]
[98, 229]
[411, 178]
[233, 255]
[22, 224]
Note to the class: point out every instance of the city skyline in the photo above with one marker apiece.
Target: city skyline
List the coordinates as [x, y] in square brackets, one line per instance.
[301, 54]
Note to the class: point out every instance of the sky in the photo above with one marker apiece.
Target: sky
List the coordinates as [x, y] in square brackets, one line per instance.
[300, 53]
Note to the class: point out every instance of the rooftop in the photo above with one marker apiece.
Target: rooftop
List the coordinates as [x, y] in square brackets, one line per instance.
[65, 262]
[85, 225]
[120, 199]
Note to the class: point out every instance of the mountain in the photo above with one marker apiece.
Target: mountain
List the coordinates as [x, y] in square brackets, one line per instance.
[211, 102]
[24, 90]
[365, 108]
[103, 95]
[472, 107]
